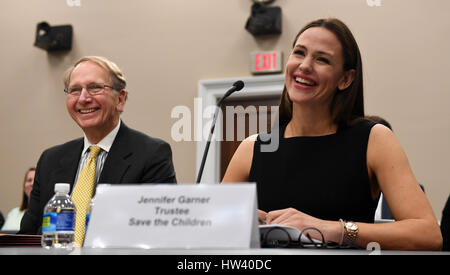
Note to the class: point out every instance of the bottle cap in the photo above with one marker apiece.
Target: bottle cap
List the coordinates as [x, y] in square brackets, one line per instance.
[62, 188]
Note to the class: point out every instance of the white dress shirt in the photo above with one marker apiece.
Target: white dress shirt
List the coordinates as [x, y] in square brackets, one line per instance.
[105, 144]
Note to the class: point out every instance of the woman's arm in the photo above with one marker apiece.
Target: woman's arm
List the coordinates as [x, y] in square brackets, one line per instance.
[416, 227]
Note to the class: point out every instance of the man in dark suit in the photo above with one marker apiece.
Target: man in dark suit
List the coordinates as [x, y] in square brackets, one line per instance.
[96, 96]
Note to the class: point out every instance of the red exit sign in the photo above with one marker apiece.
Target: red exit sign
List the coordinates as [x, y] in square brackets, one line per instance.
[266, 62]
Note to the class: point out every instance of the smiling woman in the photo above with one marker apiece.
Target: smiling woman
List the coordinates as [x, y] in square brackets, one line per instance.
[315, 69]
[337, 50]
[332, 163]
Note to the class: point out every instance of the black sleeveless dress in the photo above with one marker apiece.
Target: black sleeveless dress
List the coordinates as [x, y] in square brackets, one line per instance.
[325, 176]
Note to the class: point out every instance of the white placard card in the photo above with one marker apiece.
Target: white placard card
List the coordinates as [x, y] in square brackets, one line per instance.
[174, 216]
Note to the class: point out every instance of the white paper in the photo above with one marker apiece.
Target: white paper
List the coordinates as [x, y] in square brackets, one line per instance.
[174, 216]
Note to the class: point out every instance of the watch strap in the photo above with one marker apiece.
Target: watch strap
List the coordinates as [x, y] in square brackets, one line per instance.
[349, 233]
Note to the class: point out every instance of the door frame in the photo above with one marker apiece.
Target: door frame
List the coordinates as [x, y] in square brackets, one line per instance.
[210, 91]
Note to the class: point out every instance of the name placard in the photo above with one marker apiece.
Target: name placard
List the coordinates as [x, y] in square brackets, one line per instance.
[174, 216]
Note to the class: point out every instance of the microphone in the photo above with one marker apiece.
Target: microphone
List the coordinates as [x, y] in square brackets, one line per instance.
[237, 86]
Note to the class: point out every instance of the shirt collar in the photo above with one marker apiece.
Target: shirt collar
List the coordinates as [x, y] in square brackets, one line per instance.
[105, 143]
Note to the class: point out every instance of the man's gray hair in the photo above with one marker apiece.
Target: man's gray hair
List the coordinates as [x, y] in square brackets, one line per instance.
[118, 81]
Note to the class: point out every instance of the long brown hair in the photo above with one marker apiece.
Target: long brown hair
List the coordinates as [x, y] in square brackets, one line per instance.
[24, 203]
[347, 105]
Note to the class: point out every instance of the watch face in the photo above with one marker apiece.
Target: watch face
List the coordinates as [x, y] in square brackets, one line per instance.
[351, 226]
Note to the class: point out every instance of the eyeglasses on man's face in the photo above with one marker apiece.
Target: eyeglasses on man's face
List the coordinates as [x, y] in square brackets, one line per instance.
[91, 89]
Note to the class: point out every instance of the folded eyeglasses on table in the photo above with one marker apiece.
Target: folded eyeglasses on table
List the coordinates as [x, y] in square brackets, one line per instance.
[273, 236]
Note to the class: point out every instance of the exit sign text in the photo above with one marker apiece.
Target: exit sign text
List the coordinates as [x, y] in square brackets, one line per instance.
[266, 62]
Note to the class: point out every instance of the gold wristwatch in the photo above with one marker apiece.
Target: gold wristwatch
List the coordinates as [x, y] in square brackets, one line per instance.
[350, 233]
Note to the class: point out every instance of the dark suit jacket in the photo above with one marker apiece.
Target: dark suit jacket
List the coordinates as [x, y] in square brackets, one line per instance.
[133, 158]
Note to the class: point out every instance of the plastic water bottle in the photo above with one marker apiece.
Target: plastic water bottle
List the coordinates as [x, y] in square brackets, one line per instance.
[58, 224]
[88, 213]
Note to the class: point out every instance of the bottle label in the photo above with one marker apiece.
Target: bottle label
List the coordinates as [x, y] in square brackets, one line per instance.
[53, 222]
[88, 217]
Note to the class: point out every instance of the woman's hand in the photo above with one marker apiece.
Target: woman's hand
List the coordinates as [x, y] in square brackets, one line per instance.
[332, 231]
[291, 217]
[262, 217]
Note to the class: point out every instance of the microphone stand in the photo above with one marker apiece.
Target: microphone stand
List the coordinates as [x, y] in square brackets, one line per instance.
[237, 86]
[205, 153]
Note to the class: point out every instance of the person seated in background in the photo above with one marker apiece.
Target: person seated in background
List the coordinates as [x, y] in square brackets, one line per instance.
[14, 217]
[109, 152]
[331, 162]
[2, 219]
[445, 226]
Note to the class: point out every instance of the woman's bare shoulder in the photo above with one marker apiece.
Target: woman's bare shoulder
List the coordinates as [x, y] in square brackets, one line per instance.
[239, 167]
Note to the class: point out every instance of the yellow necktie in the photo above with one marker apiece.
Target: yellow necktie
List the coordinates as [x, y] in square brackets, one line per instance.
[82, 194]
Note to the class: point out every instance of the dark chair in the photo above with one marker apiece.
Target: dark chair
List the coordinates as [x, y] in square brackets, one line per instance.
[2, 220]
[386, 212]
[445, 226]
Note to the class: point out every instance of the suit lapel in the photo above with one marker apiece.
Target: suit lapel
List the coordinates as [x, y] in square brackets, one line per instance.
[116, 164]
[68, 164]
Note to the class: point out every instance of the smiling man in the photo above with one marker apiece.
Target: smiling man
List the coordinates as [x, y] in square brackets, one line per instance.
[95, 98]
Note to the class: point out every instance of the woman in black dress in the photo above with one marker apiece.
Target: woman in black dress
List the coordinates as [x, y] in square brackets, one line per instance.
[331, 163]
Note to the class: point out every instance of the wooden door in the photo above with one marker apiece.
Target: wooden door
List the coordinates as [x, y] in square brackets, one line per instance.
[243, 109]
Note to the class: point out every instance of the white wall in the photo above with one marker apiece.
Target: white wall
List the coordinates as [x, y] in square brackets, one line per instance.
[165, 46]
